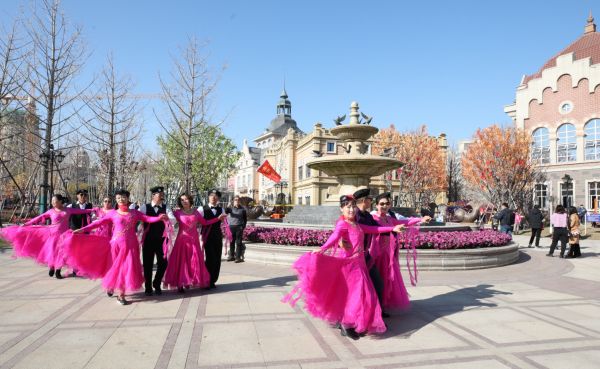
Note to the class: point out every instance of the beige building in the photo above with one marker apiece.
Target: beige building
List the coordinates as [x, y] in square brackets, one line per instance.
[288, 150]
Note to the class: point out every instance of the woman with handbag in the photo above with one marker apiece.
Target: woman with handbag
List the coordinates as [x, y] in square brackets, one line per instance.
[573, 224]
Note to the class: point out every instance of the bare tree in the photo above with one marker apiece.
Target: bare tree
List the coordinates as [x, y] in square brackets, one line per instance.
[188, 97]
[113, 125]
[454, 174]
[57, 55]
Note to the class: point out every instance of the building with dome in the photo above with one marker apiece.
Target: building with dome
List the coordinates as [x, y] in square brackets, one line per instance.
[560, 106]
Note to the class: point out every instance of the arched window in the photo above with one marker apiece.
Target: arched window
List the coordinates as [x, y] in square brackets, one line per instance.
[592, 140]
[540, 152]
[566, 146]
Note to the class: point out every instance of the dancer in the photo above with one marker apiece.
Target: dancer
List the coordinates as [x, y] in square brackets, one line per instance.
[80, 220]
[186, 262]
[334, 282]
[237, 222]
[107, 206]
[385, 254]
[49, 249]
[212, 236]
[154, 240]
[124, 273]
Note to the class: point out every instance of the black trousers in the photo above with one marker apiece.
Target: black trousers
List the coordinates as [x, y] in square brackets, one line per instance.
[153, 247]
[236, 249]
[376, 280]
[212, 253]
[559, 233]
[535, 233]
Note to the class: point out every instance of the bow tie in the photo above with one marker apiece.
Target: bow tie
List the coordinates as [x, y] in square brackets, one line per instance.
[213, 207]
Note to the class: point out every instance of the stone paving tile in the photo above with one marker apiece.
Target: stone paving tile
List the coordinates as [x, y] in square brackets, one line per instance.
[538, 313]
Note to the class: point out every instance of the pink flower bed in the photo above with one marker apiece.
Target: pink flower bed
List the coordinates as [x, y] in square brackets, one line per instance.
[426, 240]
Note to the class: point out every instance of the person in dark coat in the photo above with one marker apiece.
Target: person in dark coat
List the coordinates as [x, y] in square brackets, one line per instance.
[363, 203]
[153, 241]
[79, 221]
[505, 218]
[213, 236]
[237, 222]
[536, 222]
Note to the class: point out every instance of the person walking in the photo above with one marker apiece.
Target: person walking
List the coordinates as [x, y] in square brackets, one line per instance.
[237, 220]
[559, 223]
[536, 222]
[506, 219]
[212, 236]
[573, 225]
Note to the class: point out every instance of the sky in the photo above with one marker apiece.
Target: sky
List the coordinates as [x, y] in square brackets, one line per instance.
[452, 66]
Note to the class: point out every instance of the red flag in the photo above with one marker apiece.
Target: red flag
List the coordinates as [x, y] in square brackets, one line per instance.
[267, 170]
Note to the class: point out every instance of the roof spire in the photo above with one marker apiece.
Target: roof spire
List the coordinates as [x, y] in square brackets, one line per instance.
[284, 94]
[590, 27]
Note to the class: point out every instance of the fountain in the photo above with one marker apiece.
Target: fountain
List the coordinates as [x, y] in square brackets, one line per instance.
[354, 167]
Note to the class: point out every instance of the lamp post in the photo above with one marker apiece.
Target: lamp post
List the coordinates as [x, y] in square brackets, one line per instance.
[279, 194]
[49, 157]
[252, 193]
[567, 190]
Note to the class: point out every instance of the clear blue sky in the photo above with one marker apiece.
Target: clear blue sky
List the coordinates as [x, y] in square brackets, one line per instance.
[449, 65]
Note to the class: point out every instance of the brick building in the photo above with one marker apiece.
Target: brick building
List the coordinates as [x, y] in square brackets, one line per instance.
[560, 106]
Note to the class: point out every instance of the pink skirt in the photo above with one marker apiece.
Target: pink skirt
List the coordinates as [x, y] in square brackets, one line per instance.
[338, 290]
[89, 254]
[186, 266]
[27, 241]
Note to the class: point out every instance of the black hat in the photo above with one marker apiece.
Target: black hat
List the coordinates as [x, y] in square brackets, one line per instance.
[362, 193]
[215, 191]
[385, 195]
[122, 192]
[346, 198]
[157, 189]
[82, 192]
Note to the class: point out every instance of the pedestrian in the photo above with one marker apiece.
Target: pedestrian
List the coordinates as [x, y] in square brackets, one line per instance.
[581, 212]
[573, 225]
[237, 220]
[536, 222]
[212, 236]
[185, 267]
[154, 239]
[123, 274]
[559, 233]
[506, 218]
[77, 221]
[334, 281]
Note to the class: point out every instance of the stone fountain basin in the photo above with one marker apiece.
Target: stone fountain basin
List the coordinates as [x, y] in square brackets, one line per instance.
[354, 165]
[354, 132]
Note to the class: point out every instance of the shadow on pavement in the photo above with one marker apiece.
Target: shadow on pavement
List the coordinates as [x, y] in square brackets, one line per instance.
[424, 312]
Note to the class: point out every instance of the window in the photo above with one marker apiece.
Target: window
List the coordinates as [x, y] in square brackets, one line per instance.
[541, 195]
[592, 140]
[300, 172]
[540, 152]
[307, 171]
[566, 194]
[307, 200]
[566, 108]
[566, 147]
[299, 200]
[593, 195]
[330, 147]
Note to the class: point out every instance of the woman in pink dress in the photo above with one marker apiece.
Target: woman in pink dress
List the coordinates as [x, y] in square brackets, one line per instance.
[45, 244]
[385, 255]
[334, 282]
[125, 274]
[186, 262]
[107, 206]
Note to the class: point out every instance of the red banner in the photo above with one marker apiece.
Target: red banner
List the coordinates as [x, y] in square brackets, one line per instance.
[267, 170]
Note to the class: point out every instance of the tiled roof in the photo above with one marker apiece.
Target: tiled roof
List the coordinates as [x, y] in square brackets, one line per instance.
[586, 46]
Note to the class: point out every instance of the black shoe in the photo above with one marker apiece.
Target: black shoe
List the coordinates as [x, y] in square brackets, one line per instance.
[180, 290]
[561, 256]
[157, 290]
[239, 260]
[212, 285]
[549, 255]
[148, 293]
[74, 274]
[529, 246]
[122, 300]
[57, 274]
[350, 333]
[109, 293]
[231, 258]
[51, 272]
[384, 314]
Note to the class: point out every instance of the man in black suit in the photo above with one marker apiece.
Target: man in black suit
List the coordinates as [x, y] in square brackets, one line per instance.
[213, 236]
[153, 241]
[77, 221]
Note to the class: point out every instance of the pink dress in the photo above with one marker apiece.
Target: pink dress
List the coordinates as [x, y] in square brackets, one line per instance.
[120, 256]
[385, 257]
[334, 283]
[44, 244]
[103, 230]
[186, 263]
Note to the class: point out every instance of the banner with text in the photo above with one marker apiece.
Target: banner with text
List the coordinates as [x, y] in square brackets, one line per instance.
[267, 170]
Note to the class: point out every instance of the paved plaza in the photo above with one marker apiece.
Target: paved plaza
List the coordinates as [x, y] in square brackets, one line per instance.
[539, 313]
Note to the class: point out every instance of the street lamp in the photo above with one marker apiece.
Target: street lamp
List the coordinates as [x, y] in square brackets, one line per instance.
[281, 185]
[49, 156]
[567, 182]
